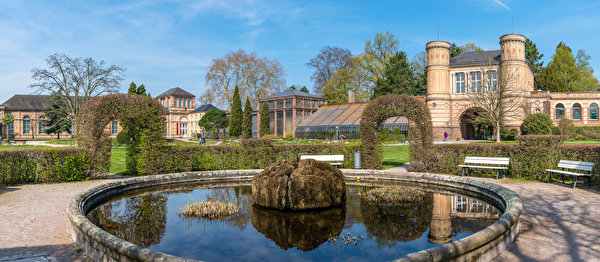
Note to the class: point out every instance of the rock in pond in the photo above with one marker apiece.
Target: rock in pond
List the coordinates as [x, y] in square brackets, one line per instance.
[299, 185]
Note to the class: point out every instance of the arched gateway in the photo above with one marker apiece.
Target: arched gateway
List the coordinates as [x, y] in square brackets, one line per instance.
[419, 132]
[143, 116]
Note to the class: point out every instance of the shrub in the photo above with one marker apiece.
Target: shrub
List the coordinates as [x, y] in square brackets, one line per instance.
[541, 140]
[588, 132]
[44, 165]
[537, 124]
[253, 154]
[528, 162]
[506, 134]
[210, 210]
[566, 127]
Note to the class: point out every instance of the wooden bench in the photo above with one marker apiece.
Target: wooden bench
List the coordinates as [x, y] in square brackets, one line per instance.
[334, 160]
[497, 163]
[573, 165]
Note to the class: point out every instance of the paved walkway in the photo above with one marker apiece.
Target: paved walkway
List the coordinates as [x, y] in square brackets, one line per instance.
[558, 223]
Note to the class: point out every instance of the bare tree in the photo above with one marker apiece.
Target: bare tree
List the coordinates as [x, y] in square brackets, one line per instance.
[326, 63]
[76, 80]
[497, 95]
[255, 76]
[207, 98]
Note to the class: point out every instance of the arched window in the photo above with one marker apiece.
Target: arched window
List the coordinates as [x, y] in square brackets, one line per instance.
[576, 111]
[183, 127]
[593, 111]
[559, 111]
[115, 127]
[42, 125]
[537, 110]
[26, 125]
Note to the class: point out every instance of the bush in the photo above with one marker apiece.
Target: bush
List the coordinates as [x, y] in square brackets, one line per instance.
[44, 165]
[528, 162]
[588, 132]
[566, 127]
[506, 134]
[541, 140]
[253, 154]
[537, 124]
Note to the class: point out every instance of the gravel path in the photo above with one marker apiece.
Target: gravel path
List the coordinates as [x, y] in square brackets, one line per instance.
[34, 221]
[558, 223]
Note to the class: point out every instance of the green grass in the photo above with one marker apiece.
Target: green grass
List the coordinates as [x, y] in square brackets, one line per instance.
[394, 156]
[117, 160]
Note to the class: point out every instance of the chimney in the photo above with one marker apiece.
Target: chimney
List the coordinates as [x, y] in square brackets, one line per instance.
[350, 96]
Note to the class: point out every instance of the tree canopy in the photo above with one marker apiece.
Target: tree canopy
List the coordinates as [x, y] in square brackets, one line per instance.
[76, 80]
[265, 120]
[399, 78]
[256, 77]
[326, 63]
[139, 90]
[214, 119]
[247, 120]
[567, 73]
[58, 118]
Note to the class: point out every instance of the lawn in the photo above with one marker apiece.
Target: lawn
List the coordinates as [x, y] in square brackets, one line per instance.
[117, 160]
[394, 156]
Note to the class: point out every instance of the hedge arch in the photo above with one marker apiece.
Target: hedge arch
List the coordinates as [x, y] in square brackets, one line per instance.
[420, 131]
[139, 113]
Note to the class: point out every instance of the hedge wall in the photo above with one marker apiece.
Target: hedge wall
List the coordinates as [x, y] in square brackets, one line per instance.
[44, 165]
[255, 155]
[525, 161]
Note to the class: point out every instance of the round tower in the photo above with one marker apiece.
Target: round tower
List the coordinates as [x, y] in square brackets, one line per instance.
[516, 76]
[440, 229]
[438, 85]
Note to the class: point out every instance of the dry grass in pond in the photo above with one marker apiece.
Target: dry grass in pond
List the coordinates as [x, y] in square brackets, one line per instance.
[210, 210]
[391, 195]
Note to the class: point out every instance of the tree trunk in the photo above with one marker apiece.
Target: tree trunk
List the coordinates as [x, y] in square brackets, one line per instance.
[497, 131]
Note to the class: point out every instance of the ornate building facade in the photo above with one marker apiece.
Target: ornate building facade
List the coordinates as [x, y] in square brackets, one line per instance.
[453, 84]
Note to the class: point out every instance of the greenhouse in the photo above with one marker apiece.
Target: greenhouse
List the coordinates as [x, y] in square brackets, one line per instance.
[341, 121]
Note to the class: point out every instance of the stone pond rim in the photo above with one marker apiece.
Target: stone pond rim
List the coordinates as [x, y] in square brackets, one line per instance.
[484, 245]
[299, 185]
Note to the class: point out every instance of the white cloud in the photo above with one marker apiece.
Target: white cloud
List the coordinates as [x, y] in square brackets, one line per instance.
[502, 4]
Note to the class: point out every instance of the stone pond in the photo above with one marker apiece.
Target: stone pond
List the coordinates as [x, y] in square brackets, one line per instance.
[136, 219]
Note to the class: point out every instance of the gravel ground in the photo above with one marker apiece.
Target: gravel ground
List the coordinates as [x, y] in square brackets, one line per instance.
[558, 223]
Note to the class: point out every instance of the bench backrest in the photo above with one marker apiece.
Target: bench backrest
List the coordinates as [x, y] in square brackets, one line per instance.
[325, 158]
[578, 165]
[487, 160]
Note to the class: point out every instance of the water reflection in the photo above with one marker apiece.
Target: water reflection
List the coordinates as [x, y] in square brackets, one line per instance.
[403, 222]
[140, 220]
[304, 230]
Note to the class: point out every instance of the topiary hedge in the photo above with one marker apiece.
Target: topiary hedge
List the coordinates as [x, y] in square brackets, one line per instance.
[526, 161]
[19, 166]
[250, 155]
[420, 131]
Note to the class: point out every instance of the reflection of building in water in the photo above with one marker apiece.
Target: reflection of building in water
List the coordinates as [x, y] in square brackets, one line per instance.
[458, 213]
[465, 207]
[440, 230]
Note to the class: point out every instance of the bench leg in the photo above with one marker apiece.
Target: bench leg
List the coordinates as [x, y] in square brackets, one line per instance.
[497, 173]
[563, 177]
[574, 181]
[549, 177]
[463, 172]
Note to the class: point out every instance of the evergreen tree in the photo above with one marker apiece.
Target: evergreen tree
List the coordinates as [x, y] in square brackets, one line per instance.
[214, 119]
[58, 118]
[399, 78]
[235, 120]
[293, 87]
[563, 63]
[304, 89]
[247, 120]
[587, 81]
[534, 57]
[265, 120]
[141, 90]
[455, 50]
[132, 88]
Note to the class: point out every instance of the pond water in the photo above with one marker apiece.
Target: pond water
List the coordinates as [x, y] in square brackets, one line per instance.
[362, 231]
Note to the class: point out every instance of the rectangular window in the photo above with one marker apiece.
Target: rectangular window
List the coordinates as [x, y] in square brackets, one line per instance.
[289, 122]
[280, 123]
[460, 83]
[298, 117]
[280, 103]
[288, 103]
[11, 128]
[115, 127]
[475, 82]
[298, 102]
[42, 126]
[271, 105]
[272, 124]
[26, 127]
[492, 80]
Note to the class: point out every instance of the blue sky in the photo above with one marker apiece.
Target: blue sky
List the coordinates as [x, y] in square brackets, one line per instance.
[165, 44]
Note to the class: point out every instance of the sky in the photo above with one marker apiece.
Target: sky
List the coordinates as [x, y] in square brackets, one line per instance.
[166, 44]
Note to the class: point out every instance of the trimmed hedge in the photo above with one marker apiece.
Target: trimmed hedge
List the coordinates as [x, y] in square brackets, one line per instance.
[251, 155]
[44, 165]
[525, 161]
